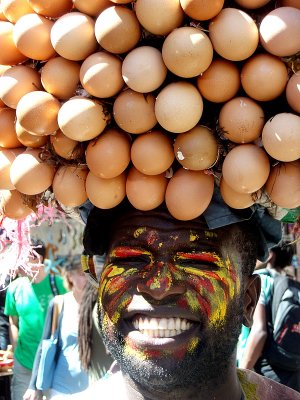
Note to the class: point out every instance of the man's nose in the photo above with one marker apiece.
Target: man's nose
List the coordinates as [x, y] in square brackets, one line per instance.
[160, 283]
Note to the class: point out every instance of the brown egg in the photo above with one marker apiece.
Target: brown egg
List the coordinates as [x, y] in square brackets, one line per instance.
[235, 199]
[8, 136]
[72, 36]
[241, 120]
[264, 77]
[293, 91]
[202, 10]
[13, 205]
[279, 31]
[106, 193]
[7, 156]
[91, 7]
[50, 8]
[283, 184]
[69, 185]
[143, 69]
[234, 34]
[220, 82]
[117, 29]
[15, 9]
[290, 3]
[281, 137]
[65, 147]
[17, 81]
[29, 174]
[252, 4]
[196, 149]
[152, 153]
[60, 77]
[121, 1]
[28, 139]
[189, 193]
[2, 16]
[187, 51]
[33, 28]
[9, 54]
[246, 168]
[100, 74]
[178, 107]
[108, 155]
[81, 118]
[134, 112]
[37, 112]
[3, 68]
[159, 17]
[145, 192]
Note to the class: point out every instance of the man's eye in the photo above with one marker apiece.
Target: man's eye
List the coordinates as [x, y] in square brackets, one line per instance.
[197, 264]
[136, 261]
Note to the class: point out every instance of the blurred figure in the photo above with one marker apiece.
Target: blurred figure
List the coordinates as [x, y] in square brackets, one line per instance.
[4, 320]
[69, 377]
[26, 304]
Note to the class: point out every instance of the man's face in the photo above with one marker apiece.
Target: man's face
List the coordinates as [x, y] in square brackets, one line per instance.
[170, 300]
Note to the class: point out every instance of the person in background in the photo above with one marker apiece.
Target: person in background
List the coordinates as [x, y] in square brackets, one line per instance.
[172, 298]
[4, 320]
[26, 304]
[93, 355]
[69, 377]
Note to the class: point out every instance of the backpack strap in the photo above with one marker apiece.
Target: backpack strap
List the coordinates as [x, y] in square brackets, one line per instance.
[54, 288]
[280, 285]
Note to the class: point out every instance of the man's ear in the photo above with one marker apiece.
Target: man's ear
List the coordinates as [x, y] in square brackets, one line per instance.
[252, 292]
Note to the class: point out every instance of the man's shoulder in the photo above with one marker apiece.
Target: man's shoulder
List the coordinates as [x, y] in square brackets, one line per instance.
[257, 387]
[21, 282]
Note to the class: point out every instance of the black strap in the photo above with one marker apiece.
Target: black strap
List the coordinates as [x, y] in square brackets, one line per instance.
[53, 285]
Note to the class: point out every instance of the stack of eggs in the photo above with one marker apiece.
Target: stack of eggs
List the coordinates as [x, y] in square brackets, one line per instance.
[149, 99]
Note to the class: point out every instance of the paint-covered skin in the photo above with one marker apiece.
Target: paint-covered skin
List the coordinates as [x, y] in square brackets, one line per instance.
[165, 283]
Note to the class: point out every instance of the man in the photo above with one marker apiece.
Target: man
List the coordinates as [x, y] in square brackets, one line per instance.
[172, 298]
[26, 305]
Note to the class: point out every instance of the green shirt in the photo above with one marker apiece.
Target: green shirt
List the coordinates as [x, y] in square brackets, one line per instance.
[29, 302]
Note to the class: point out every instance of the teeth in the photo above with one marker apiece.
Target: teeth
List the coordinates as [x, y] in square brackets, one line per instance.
[161, 327]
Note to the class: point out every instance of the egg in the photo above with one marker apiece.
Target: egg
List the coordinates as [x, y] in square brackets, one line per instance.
[10, 54]
[28, 139]
[280, 31]
[121, 1]
[101, 76]
[117, 29]
[235, 199]
[81, 118]
[7, 156]
[145, 192]
[246, 168]
[196, 149]
[187, 52]
[15, 9]
[281, 137]
[202, 10]
[106, 193]
[8, 136]
[292, 91]
[30, 174]
[134, 112]
[178, 107]
[264, 77]
[16, 82]
[283, 185]
[37, 112]
[91, 7]
[69, 185]
[234, 34]
[252, 4]
[65, 147]
[220, 82]
[143, 69]
[189, 193]
[72, 36]
[60, 77]
[34, 28]
[241, 120]
[2, 16]
[290, 3]
[13, 206]
[152, 152]
[50, 8]
[158, 17]
[108, 155]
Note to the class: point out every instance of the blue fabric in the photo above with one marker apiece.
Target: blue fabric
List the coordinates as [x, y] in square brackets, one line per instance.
[47, 363]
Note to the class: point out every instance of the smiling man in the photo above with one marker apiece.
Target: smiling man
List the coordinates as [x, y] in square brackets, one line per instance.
[172, 298]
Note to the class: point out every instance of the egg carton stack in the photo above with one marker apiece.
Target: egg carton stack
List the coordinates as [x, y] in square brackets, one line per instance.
[149, 99]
